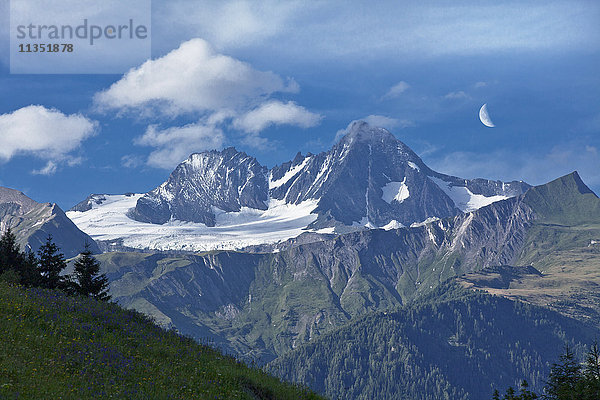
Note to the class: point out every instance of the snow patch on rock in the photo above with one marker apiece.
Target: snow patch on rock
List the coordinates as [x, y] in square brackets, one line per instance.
[414, 166]
[463, 198]
[395, 191]
[288, 175]
[393, 224]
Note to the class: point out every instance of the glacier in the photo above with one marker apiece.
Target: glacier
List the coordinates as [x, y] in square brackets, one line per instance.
[108, 222]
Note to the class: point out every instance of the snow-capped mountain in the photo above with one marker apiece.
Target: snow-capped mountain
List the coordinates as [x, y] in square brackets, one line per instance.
[226, 199]
[372, 179]
[225, 180]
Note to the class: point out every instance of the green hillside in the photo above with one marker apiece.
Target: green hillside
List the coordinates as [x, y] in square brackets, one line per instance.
[564, 201]
[455, 345]
[60, 347]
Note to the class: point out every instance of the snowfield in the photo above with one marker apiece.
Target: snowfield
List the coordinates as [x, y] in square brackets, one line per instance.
[463, 198]
[234, 230]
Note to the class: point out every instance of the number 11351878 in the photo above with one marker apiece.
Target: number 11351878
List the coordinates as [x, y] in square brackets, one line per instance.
[46, 48]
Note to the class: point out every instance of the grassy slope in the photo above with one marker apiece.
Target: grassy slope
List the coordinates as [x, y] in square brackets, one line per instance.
[55, 346]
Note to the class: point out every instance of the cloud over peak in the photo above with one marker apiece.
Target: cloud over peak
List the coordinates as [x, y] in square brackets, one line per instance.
[219, 91]
[276, 113]
[389, 123]
[175, 144]
[191, 78]
[396, 90]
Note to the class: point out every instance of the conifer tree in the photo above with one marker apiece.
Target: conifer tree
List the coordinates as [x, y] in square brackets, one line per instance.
[526, 394]
[510, 394]
[30, 273]
[88, 280]
[564, 378]
[591, 373]
[51, 264]
[10, 253]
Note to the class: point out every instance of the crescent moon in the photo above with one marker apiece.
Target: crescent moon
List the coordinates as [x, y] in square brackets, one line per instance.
[485, 117]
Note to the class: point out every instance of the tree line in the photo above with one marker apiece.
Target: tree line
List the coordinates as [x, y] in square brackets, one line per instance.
[568, 380]
[45, 269]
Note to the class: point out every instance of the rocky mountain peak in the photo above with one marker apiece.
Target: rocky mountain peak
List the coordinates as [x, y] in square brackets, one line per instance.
[227, 180]
[361, 131]
[17, 199]
[203, 159]
[32, 222]
[375, 142]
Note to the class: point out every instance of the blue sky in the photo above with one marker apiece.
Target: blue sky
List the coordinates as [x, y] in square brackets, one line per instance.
[272, 78]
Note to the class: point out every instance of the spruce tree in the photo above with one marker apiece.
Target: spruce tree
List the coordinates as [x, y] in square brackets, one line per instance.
[30, 272]
[591, 374]
[526, 394]
[510, 394]
[11, 257]
[51, 264]
[88, 280]
[564, 380]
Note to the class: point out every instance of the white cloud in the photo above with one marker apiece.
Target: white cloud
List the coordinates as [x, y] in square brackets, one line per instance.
[460, 95]
[175, 144]
[191, 78]
[256, 141]
[396, 90]
[276, 113]
[195, 80]
[132, 161]
[387, 122]
[47, 134]
[49, 169]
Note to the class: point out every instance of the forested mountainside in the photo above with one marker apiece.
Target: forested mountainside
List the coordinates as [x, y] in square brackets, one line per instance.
[452, 345]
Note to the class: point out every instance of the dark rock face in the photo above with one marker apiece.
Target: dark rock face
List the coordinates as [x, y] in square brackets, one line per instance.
[349, 179]
[227, 180]
[369, 178]
[32, 222]
[87, 204]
